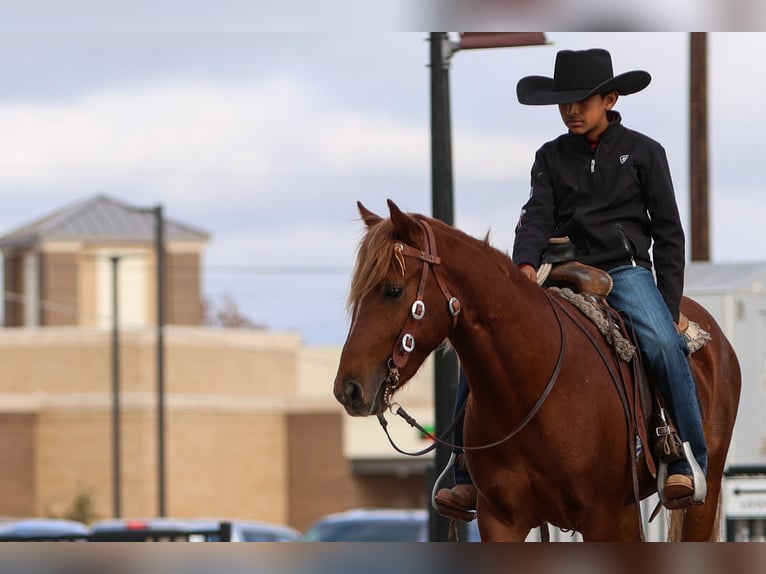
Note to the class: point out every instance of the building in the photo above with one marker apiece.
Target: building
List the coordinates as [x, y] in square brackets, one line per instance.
[251, 427]
[735, 294]
[58, 269]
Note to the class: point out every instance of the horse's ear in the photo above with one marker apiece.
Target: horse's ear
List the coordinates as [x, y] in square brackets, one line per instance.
[405, 225]
[368, 216]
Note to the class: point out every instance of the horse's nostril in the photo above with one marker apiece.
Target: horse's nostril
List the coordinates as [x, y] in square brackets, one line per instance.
[353, 393]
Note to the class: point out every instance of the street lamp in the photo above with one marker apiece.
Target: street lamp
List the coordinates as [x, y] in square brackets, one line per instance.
[446, 364]
[160, 251]
[116, 471]
[159, 242]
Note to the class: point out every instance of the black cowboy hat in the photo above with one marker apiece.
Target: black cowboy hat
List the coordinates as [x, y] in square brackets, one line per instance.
[579, 74]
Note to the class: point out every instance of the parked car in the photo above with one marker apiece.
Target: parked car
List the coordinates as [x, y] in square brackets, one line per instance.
[43, 529]
[376, 525]
[191, 530]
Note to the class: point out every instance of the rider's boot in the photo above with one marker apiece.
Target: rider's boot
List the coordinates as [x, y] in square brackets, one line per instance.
[457, 502]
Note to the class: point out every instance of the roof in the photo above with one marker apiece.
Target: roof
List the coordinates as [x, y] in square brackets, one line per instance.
[100, 219]
[723, 277]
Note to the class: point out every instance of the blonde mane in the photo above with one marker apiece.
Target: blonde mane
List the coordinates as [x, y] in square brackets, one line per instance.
[374, 261]
[375, 258]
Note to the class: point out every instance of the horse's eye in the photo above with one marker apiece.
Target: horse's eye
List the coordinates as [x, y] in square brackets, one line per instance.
[393, 291]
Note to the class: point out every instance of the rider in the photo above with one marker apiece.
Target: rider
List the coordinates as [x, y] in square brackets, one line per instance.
[609, 189]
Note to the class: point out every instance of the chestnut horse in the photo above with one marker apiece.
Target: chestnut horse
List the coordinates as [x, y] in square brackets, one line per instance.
[529, 368]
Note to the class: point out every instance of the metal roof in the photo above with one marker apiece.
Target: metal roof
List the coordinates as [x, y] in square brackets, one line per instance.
[723, 277]
[100, 219]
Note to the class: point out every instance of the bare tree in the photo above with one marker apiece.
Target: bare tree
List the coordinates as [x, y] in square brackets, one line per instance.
[226, 313]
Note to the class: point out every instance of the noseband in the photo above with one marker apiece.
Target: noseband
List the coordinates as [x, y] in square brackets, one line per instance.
[405, 342]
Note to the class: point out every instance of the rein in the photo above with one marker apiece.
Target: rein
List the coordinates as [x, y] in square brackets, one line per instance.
[392, 380]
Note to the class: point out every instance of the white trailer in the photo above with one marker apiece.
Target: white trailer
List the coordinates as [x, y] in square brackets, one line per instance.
[736, 296]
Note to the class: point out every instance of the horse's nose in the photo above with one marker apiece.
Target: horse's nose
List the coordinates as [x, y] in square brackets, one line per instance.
[351, 395]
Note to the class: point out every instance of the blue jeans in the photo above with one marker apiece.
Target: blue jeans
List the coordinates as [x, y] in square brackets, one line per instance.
[664, 354]
[461, 476]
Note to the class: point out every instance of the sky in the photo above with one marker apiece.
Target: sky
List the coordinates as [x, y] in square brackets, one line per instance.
[267, 140]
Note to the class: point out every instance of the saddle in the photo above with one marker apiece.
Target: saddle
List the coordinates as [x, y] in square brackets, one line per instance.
[587, 287]
[560, 267]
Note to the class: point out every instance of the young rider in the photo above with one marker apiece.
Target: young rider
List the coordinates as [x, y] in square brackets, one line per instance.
[609, 189]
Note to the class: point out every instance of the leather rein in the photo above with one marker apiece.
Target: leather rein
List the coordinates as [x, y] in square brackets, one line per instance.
[405, 344]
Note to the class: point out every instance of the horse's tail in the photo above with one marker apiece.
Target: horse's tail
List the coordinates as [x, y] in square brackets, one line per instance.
[676, 526]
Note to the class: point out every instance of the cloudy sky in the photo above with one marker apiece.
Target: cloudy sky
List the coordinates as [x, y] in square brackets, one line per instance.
[267, 140]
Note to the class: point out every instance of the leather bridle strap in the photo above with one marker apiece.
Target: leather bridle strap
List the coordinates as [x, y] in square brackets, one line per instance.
[516, 430]
[405, 343]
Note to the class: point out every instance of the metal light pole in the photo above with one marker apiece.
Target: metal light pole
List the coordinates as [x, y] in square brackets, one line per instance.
[446, 368]
[160, 252]
[116, 455]
[445, 364]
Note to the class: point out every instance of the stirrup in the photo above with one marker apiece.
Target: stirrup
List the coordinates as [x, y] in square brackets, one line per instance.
[449, 511]
[440, 478]
[700, 482]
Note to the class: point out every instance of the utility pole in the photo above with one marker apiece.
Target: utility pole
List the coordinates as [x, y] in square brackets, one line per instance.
[116, 453]
[698, 148]
[160, 251]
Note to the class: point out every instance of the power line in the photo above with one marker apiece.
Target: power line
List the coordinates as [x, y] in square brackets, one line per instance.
[239, 269]
[281, 269]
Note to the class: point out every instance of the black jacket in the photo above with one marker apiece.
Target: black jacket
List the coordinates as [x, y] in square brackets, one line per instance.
[612, 203]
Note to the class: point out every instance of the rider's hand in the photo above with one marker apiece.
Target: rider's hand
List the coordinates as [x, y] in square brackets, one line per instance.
[529, 271]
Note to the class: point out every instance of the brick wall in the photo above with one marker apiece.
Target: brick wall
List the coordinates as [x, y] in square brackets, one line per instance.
[17, 464]
[13, 266]
[59, 289]
[183, 299]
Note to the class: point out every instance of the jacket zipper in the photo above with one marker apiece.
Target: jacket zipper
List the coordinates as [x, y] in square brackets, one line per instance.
[625, 243]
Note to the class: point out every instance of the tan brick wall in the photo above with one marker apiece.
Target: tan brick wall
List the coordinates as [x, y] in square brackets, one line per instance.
[139, 460]
[183, 296]
[212, 361]
[73, 456]
[226, 464]
[321, 479]
[59, 289]
[241, 441]
[17, 464]
[225, 427]
[319, 475]
[13, 267]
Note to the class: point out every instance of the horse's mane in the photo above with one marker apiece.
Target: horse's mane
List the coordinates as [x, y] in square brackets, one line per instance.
[375, 261]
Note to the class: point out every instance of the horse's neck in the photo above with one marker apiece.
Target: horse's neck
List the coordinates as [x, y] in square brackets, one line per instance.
[505, 335]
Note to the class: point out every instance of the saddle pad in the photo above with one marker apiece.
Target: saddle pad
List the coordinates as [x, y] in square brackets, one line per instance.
[694, 335]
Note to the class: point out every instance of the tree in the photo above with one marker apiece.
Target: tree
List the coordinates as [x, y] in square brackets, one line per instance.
[82, 508]
[226, 313]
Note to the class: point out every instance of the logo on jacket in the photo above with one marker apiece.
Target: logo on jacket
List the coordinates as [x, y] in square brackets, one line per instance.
[624, 158]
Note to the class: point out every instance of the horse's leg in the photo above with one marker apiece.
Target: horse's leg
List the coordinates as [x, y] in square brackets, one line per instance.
[631, 524]
[493, 529]
[699, 523]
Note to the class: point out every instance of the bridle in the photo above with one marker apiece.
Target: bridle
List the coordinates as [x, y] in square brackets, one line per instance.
[405, 342]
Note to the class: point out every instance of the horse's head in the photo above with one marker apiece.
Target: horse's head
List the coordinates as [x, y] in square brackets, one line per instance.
[401, 310]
